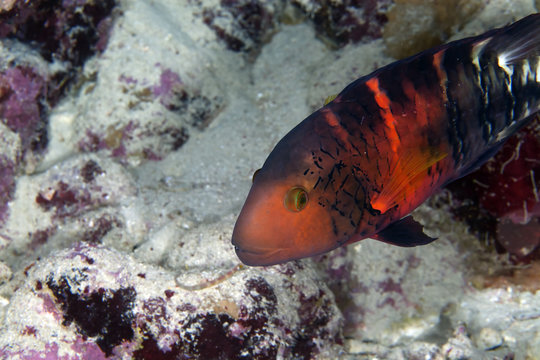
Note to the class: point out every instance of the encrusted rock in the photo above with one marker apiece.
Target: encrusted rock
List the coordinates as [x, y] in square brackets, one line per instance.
[143, 104]
[243, 25]
[68, 31]
[78, 199]
[346, 21]
[488, 339]
[98, 303]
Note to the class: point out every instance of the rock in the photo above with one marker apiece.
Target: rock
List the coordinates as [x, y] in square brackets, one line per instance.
[346, 21]
[99, 303]
[81, 199]
[489, 339]
[144, 104]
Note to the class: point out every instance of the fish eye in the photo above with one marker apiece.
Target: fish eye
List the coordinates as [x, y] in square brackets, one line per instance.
[296, 199]
[254, 175]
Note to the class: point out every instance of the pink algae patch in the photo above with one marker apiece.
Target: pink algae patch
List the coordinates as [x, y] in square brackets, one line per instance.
[22, 105]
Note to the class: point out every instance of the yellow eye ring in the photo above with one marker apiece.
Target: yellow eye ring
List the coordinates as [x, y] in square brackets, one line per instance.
[296, 199]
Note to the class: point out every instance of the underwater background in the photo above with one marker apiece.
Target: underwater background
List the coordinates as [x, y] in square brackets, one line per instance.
[129, 133]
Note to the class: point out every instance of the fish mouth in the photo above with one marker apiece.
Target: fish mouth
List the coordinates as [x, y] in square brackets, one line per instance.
[259, 256]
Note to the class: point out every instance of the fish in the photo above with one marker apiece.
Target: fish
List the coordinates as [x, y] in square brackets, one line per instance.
[357, 167]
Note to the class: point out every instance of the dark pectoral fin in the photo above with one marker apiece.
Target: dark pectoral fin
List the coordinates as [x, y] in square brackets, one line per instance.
[405, 232]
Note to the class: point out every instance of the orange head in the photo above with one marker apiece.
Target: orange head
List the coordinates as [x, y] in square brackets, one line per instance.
[292, 210]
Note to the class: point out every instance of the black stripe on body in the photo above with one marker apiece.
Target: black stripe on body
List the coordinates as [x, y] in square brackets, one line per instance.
[499, 102]
[419, 72]
[525, 89]
[465, 103]
[351, 118]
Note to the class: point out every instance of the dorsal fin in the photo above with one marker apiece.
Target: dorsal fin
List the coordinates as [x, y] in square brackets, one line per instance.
[517, 42]
[330, 99]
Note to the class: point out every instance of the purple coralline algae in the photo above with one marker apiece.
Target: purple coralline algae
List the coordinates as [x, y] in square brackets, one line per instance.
[64, 200]
[101, 303]
[102, 314]
[246, 25]
[113, 139]
[243, 25]
[77, 200]
[161, 117]
[23, 106]
[346, 21]
[169, 85]
[179, 98]
[68, 31]
[71, 196]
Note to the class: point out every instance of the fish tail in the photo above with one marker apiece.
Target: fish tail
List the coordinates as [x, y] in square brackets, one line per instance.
[506, 73]
[517, 52]
[492, 87]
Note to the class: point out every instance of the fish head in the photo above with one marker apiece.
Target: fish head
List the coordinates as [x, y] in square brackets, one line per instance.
[288, 213]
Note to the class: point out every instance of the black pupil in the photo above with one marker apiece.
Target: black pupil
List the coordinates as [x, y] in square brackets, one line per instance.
[301, 199]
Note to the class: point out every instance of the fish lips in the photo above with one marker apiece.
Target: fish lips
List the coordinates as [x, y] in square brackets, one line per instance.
[254, 255]
[257, 256]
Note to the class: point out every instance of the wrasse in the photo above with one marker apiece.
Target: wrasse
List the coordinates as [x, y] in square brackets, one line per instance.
[358, 166]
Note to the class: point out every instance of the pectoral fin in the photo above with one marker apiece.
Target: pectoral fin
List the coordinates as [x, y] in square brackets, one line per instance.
[406, 232]
[408, 173]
